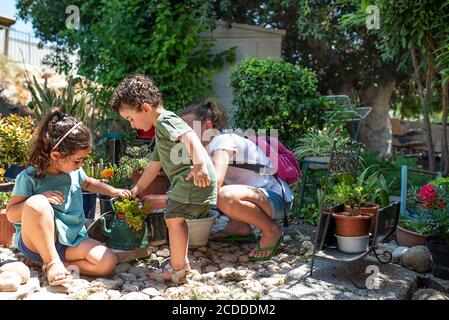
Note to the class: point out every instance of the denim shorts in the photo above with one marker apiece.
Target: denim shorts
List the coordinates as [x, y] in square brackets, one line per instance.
[60, 248]
[185, 210]
[277, 204]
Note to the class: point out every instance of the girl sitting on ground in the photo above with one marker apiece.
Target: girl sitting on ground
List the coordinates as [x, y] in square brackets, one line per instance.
[47, 205]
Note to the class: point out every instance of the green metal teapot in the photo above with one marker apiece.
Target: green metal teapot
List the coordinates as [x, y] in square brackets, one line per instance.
[120, 235]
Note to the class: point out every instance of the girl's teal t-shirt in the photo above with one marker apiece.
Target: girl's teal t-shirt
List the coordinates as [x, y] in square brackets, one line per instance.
[69, 215]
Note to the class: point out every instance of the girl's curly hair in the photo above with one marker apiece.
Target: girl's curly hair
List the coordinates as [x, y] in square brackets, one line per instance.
[134, 91]
[51, 129]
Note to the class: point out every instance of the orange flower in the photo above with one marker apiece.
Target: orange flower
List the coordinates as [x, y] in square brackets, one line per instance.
[2, 171]
[107, 173]
[429, 204]
[442, 204]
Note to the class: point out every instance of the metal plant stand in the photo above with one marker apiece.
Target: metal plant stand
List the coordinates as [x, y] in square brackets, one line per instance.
[345, 161]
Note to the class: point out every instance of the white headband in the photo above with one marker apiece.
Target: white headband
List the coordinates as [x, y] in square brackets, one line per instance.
[65, 135]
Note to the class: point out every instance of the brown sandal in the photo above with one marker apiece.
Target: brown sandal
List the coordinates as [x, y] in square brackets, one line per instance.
[176, 276]
[68, 276]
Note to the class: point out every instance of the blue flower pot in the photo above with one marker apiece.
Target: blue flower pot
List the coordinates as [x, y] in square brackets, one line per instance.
[89, 204]
[13, 171]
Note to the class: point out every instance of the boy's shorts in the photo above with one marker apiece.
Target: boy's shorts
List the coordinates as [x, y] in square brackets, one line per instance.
[185, 210]
[277, 204]
[60, 248]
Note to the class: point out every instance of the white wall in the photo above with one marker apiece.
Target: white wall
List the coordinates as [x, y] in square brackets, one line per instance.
[250, 42]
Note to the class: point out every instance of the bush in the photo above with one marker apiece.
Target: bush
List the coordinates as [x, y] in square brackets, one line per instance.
[272, 94]
[15, 137]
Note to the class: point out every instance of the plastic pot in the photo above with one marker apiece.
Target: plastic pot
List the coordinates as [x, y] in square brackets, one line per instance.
[353, 244]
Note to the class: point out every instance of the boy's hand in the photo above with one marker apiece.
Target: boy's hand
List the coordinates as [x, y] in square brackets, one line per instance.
[122, 193]
[54, 196]
[200, 176]
[135, 192]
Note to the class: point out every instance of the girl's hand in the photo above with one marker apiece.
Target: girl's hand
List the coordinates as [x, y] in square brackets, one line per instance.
[122, 193]
[54, 196]
[200, 176]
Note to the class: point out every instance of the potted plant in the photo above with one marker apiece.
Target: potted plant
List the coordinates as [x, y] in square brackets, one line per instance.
[7, 229]
[116, 176]
[6, 184]
[200, 228]
[128, 229]
[361, 198]
[317, 146]
[436, 197]
[93, 166]
[15, 136]
[138, 158]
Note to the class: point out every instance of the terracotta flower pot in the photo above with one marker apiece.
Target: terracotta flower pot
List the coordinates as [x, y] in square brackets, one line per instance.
[351, 226]
[408, 238]
[158, 186]
[7, 230]
[156, 201]
[373, 211]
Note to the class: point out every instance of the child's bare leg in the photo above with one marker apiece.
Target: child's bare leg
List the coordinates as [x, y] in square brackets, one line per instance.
[249, 205]
[38, 233]
[92, 258]
[179, 239]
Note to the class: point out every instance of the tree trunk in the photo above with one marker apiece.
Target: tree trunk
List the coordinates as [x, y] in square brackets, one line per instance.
[445, 148]
[424, 96]
[376, 131]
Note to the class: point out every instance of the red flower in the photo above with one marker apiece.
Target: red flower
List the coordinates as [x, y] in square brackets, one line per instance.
[442, 204]
[427, 193]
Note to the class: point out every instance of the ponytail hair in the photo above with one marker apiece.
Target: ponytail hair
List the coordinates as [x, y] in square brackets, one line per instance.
[209, 110]
[50, 137]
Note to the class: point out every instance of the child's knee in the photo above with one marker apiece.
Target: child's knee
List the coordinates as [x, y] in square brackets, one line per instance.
[37, 204]
[108, 263]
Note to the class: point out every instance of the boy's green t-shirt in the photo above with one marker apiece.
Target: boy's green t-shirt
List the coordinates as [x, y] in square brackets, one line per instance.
[177, 164]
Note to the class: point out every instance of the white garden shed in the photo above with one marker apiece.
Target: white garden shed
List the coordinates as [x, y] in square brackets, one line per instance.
[251, 41]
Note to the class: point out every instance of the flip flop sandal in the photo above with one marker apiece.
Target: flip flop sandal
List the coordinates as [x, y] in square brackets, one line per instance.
[67, 280]
[234, 237]
[176, 276]
[273, 250]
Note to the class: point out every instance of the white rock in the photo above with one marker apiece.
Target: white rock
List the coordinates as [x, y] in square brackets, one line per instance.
[417, 258]
[287, 238]
[243, 258]
[397, 253]
[164, 253]
[135, 296]
[307, 248]
[209, 275]
[17, 267]
[114, 294]
[271, 282]
[9, 281]
[429, 294]
[273, 268]
[152, 292]
[98, 296]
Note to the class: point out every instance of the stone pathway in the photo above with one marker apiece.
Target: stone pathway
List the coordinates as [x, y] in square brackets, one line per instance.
[223, 271]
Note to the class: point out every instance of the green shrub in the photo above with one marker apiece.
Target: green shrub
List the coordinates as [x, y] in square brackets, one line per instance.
[272, 94]
[15, 137]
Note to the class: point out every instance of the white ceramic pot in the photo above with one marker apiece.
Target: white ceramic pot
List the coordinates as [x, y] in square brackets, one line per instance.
[353, 244]
[199, 229]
